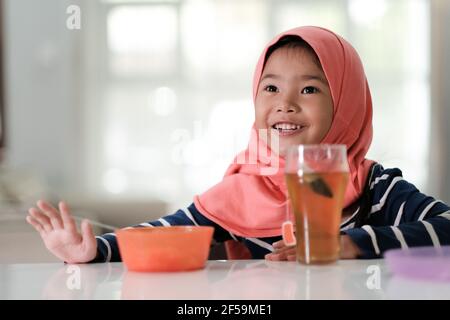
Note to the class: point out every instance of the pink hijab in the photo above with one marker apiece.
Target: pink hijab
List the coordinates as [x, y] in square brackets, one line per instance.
[250, 201]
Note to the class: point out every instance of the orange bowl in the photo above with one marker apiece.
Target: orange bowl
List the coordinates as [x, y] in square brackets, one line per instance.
[163, 249]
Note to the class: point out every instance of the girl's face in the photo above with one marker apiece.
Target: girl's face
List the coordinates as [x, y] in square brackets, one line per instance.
[293, 100]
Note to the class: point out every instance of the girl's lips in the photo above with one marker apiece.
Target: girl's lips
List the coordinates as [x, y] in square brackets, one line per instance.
[288, 132]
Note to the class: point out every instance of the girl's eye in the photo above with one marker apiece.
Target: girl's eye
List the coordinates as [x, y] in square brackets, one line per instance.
[271, 88]
[310, 90]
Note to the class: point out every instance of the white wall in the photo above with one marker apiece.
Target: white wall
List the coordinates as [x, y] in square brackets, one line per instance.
[439, 157]
[41, 92]
[42, 63]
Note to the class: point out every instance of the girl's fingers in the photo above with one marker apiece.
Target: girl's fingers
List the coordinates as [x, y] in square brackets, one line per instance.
[52, 213]
[284, 249]
[43, 220]
[275, 256]
[282, 254]
[270, 256]
[279, 244]
[36, 225]
[67, 219]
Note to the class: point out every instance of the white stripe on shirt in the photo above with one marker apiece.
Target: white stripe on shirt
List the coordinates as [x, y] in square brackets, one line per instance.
[349, 226]
[110, 234]
[189, 215]
[372, 235]
[445, 215]
[399, 214]
[428, 207]
[234, 238]
[108, 247]
[432, 233]
[383, 177]
[164, 222]
[398, 233]
[352, 216]
[146, 224]
[377, 207]
[261, 243]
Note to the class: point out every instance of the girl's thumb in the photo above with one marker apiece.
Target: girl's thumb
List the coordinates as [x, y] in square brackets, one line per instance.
[86, 231]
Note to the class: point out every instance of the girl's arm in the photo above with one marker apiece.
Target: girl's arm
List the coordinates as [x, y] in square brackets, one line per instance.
[400, 217]
[62, 238]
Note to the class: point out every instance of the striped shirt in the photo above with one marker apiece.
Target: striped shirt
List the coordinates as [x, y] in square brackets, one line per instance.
[391, 213]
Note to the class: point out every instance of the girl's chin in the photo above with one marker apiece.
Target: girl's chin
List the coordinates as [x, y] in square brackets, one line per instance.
[282, 145]
[282, 149]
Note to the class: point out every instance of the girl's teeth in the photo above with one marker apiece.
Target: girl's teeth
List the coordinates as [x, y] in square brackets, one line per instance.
[286, 126]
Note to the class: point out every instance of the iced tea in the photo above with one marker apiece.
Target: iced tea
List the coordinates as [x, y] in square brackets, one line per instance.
[317, 201]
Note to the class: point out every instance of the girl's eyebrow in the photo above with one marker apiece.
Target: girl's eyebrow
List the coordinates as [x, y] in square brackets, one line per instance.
[302, 77]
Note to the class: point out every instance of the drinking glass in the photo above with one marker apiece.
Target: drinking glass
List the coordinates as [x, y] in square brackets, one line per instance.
[316, 177]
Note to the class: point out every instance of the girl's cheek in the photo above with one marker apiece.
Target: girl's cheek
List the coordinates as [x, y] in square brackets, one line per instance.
[261, 116]
[259, 121]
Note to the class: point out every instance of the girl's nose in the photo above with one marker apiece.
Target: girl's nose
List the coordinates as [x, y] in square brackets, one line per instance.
[288, 102]
[288, 108]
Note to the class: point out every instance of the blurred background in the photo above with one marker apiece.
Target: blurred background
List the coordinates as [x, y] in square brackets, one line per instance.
[127, 109]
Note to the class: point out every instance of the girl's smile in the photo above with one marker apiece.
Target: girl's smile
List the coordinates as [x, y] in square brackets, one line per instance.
[287, 128]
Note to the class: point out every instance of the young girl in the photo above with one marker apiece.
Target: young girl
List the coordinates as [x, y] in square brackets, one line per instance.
[309, 87]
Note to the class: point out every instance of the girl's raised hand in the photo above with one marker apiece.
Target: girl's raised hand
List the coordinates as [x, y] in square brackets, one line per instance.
[60, 235]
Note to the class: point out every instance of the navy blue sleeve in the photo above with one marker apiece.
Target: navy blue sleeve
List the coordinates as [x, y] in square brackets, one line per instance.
[108, 250]
[400, 217]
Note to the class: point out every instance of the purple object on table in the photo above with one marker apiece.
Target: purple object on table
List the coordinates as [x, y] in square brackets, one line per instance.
[428, 263]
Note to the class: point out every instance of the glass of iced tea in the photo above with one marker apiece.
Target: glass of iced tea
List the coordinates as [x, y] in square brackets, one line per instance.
[316, 177]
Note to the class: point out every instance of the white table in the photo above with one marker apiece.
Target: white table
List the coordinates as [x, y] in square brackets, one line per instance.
[231, 279]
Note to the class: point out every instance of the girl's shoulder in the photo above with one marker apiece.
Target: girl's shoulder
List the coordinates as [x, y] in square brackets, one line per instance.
[383, 186]
[386, 179]
[378, 171]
